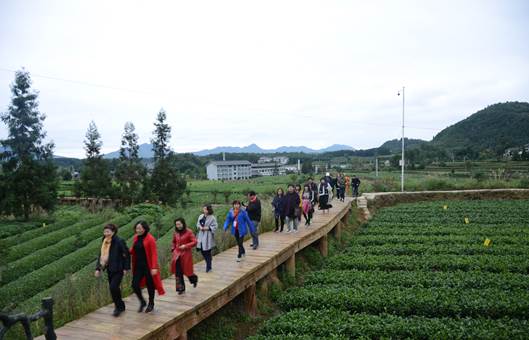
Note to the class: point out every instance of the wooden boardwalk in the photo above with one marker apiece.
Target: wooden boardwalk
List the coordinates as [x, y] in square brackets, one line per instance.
[175, 314]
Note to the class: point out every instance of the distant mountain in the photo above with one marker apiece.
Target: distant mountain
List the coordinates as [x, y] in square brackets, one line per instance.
[495, 128]
[145, 151]
[253, 148]
[395, 145]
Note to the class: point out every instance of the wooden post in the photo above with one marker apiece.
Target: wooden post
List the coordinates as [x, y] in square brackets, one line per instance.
[290, 265]
[337, 231]
[250, 301]
[322, 246]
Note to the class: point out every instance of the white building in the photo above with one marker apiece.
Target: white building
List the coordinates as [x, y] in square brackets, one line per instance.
[268, 169]
[229, 170]
[264, 159]
[281, 160]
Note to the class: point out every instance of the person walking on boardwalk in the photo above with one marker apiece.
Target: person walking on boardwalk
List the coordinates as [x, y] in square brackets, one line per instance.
[254, 212]
[182, 261]
[145, 268]
[206, 226]
[340, 187]
[307, 204]
[279, 209]
[347, 185]
[324, 191]
[292, 202]
[240, 224]
[299, 210]
[355, 182]
[114, 257]
[314, 188]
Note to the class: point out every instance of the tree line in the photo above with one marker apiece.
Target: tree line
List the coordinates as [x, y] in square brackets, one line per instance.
[29, 178]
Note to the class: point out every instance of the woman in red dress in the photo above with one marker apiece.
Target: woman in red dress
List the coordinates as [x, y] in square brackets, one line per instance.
[182, 262]
[145, 268]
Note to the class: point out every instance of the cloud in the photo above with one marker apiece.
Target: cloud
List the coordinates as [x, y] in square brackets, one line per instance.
[274, 73]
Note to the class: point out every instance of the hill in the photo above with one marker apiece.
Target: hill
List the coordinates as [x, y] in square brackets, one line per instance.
[495, 128]
[394, 145]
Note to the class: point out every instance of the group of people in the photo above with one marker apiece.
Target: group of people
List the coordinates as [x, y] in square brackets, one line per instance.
[116, 258]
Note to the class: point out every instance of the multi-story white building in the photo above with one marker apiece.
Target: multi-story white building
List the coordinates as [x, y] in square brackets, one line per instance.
[229, 170]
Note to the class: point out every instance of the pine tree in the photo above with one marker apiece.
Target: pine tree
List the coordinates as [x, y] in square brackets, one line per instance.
[166, 184]
[130, 171]
[95, 175]
[28, 179]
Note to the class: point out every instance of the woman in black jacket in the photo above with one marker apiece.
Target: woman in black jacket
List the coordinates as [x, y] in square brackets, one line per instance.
[115, 259]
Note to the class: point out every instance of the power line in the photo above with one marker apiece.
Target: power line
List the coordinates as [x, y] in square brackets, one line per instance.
[81, 82]
[78, 82]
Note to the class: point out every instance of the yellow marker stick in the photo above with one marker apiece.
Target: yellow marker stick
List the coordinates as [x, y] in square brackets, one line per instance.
[467, 221]
[445, 207]
[487, 242]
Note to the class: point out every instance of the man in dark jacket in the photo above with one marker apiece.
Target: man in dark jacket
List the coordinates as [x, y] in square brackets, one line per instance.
[292, 202]
[355, 183]
[254, 213]
[114, 257]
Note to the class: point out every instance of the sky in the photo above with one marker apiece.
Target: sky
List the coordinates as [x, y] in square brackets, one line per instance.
[274, 73]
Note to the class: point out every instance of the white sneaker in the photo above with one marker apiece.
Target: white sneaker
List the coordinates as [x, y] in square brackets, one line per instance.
[238, 259]
[295, 230]
[288, 231]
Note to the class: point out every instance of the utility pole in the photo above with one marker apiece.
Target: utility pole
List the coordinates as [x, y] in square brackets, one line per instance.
[402, 157]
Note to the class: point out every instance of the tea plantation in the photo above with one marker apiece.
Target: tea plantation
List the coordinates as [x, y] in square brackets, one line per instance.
[454, 269]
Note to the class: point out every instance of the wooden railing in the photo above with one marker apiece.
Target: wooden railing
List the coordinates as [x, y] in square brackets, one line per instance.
[46, 313]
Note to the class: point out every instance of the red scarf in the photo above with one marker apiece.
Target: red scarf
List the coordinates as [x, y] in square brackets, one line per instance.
[235, 221]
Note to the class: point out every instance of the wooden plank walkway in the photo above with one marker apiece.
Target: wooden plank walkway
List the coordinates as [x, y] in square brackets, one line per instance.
[175, 314]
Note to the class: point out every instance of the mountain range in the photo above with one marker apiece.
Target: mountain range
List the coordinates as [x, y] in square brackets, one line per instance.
[145, 150]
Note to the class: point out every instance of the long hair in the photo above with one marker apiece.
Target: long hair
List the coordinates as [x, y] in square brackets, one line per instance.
[181, 220]
[144, 224]
[209, 208]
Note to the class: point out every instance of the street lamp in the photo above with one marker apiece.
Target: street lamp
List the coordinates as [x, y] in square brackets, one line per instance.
[402, 158]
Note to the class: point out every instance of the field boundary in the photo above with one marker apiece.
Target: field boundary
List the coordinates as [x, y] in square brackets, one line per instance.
[368, 203]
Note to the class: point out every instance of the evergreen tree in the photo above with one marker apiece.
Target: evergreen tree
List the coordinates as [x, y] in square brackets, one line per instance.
[130, 171]
[28, 179]
[95, 175]
[166, 184]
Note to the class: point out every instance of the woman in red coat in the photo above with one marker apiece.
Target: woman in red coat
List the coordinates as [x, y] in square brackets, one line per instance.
[182, 262]
[145, 268]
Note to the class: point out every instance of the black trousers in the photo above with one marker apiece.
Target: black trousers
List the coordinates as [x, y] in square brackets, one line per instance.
[137, 276]
[280, 219]
[114, 283]
[308, 216]
[240, 241]
[206, 254]
[179, 275]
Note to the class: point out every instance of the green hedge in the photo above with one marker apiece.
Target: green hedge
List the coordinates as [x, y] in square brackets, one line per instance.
[456, 279]
[314, 324]
[40, 242]
[26, 286]
[432, 248]
[404, 301]
[40, 257]
[495, 264]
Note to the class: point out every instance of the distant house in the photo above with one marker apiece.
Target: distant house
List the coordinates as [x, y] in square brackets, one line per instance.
[511, 152]
[264, 159]
[281, 160]
[229, 170]
[267, 169]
